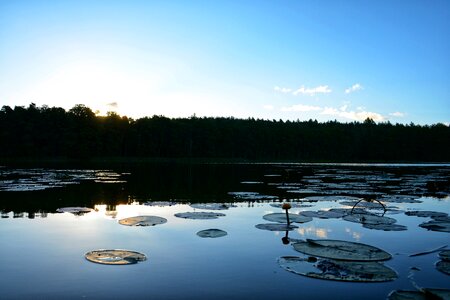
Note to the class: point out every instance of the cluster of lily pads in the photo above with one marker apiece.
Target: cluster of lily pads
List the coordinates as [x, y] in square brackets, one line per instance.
[126, 257]
[21, 180]
[348, 261]
[376, 182]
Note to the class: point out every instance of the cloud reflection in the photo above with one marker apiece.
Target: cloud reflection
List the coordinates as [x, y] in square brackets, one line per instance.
[312, 230]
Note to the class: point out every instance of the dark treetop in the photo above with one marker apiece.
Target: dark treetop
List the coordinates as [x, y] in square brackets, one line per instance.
[49, 132]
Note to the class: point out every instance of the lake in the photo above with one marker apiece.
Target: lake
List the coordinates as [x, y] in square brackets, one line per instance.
[42, 254]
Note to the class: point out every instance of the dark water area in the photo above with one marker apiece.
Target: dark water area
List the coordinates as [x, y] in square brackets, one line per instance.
[44, 189]
[243, 264]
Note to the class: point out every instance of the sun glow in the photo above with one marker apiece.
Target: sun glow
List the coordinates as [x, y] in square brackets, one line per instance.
[96, 85]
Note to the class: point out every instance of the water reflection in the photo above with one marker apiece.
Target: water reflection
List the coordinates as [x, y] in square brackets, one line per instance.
[314, 231]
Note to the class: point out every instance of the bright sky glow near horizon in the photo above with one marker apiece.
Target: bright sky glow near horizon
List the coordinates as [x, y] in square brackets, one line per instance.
[324, 60]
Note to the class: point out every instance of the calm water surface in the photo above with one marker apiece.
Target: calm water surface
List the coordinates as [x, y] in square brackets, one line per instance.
[42, 252]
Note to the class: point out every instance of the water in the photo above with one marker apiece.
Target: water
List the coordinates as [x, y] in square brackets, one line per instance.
[42, 252]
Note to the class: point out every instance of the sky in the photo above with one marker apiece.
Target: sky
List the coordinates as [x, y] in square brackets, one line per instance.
[290, 60]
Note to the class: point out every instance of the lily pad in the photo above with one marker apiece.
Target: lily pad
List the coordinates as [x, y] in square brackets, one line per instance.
[331, 198]
[369, 219]
[115, 257]
[211, 206]
[338, 270]
[436, 226]
[281, 218]
[426, 214]
[199, 215]
[322, 214]
[443, 266]
[74, 210]
[386, 227]
[143, 221]
[445, 254]
[211, 233]
[293, 205]
[276, 227]
[365, 204]
[423, 294]
[341, 250]
[400, 199]
[159, 203]
[251, 196]
[348, 211]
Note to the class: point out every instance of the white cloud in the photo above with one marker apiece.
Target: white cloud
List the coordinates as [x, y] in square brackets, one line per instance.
[354, 88]
[301, 108]
[112, 104]
[321, 89]
[268, 107]
[397, 114]
[282, 90]
[352, 115]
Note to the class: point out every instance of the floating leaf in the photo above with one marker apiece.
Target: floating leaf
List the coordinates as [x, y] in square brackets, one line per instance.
[251, 196]
[322, 214]
[423, 294]
[338, 270]
[445, 254]
[293, 205]
[342, 250]
[276, 227]
[211, 233]
[434, 225]
[369, 219]
[159, 203]
[443, 266]
[143, 221]
[115, 257]
[211, 206]
[400, 199]
[281, 218]
[74, 210]
[199, 215]
[386, 227]
[426, 214]
[331, 198]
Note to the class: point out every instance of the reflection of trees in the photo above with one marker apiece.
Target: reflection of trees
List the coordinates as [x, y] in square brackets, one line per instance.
[53, 132]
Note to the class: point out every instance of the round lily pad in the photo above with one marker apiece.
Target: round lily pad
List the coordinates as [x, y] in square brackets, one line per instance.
[281, 218]
[347, 211]
[386, 227]
[293, 205]
[276, 227]
[445, 254]
[331, 198]
[74, 210]
[407, 295]
[365, 204]
[211, 233]
[369, 219]
[342, 250]
[199, 215]
[143, 221]
[211, 206]
[338, 270]
[322, 214]
[159, 203]
[425, 214]
[443, 266]
[400, 199]
[423, 294]
[115, 257]
[434, 225]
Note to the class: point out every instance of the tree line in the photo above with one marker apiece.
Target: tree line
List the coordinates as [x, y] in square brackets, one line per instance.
[52, 132]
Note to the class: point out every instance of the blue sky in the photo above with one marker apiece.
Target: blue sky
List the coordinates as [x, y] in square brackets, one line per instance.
[324, 60]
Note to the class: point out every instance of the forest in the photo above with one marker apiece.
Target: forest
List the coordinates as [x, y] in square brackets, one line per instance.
[52, 132]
